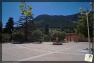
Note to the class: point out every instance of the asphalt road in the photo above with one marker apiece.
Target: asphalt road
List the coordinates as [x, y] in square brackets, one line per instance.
[44, 52]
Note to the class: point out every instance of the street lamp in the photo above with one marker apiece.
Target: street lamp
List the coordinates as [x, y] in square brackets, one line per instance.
[87, 13]
[92, 5]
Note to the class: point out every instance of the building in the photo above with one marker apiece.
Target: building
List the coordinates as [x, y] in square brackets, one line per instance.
[73, 37]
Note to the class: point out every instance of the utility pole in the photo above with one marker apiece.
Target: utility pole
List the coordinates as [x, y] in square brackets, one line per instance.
[87, 13]
[92, 4]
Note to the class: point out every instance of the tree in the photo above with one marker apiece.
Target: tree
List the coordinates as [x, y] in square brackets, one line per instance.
[5, 37]
[21, 24]
[46, 30]
[82, 26]
[31, 26]
[9, 26]
[61, 35]
[0, 27]
[27, 11]
[19, 37]
[37, 36]
[0, 31]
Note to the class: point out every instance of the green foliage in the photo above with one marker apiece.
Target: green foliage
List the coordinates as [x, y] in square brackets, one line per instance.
[70, 30]
[61, 35]
[46, 30]
[41, 39]
[31, 26]
[56, 21]
[27, 12]
[37, 35]
[46, 38]
[5, 37]
[0, 27]
[82, 26]
[0, 37]
[0, 31]
[9, 25]
[18, 37]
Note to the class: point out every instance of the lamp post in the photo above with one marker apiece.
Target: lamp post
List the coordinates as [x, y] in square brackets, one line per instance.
[27, 11]
[92, 5]
[87, 13]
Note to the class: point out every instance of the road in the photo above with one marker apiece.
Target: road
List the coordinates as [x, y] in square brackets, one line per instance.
[44, 52]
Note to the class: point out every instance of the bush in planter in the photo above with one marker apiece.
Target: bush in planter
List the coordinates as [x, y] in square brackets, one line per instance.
[37, 36]
[18, 37]
[61, 35]
[41, 39]
[5, 37]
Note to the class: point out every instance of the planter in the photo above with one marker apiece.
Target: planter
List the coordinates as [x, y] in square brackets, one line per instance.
[37, 42]
[17, 42]
[57, 43]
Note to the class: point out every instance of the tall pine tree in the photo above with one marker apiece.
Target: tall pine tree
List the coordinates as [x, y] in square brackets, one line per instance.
[10, 26]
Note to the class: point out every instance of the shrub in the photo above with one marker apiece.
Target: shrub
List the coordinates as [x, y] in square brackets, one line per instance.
[61, 35]
[46, 38]
[18, 37]
[41, 39]
[0, 38]
[37, 35]
[5, 37]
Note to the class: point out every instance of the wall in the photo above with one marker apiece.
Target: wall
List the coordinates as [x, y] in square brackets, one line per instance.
[72, 37]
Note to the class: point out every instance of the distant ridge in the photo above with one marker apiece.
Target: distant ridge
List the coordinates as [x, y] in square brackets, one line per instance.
[57, 21]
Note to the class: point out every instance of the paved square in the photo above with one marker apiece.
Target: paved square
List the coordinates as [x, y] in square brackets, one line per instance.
[44, 52]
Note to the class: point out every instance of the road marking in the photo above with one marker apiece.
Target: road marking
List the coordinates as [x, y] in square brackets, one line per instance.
[71, 53]
[32, 49]
[46, 54]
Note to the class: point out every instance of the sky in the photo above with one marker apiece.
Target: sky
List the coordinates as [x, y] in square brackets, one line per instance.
[11, 9]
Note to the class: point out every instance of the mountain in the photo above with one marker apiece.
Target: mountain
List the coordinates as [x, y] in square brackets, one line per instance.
[57, 21]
